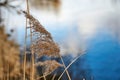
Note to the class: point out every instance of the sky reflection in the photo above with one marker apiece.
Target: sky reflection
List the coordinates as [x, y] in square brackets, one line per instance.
[91, 25]
[76, 23]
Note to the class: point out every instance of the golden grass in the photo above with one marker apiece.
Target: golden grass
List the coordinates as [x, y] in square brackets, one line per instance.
[43, 44]
[9, 57]
[49, 66]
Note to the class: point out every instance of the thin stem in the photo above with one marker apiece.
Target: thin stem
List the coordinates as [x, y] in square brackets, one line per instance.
[27, 6]
[24, 63]
[7, 71]
[44, 77]
[68, 67]
[39, 77]
[65, 67]
[53, 78]
[3, 63]
[32, 52]
[32, 73]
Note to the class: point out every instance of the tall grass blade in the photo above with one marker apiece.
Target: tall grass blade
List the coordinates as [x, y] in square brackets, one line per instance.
[68, 66]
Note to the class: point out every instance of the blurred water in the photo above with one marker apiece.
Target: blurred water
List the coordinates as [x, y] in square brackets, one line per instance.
[103, 57]
[91, 25]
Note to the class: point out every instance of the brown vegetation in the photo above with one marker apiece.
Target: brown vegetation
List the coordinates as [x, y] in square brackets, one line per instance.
[42, 44]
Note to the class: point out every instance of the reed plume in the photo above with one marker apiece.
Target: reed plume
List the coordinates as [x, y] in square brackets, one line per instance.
[37, 26]
[46, 48]
[49, 66]
[43, 44]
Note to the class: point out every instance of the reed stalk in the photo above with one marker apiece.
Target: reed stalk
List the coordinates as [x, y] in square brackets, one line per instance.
[65, 67]
[32, 51]
[53, 78]
[24, 62]
[68, 66]
[44, 77]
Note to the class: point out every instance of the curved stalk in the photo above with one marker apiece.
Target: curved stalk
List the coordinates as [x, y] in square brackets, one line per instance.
[68, 67]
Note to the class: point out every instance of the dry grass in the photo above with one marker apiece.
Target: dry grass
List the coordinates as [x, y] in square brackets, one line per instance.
[44, 47]
[9, 57]
[35, 24]
[49, 66]
[42, 44]
[10, 66]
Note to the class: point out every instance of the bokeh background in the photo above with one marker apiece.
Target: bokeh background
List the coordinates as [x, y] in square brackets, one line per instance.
[87, 27]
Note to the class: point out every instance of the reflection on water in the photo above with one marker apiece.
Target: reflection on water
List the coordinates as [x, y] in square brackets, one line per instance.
[91, 25]
[103, 56]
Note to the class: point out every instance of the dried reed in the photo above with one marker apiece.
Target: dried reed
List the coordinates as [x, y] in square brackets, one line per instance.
[49, 66]
[37, 26]
[32, 52]
[69, 66]
[9, 57]
[46, 48]
[44, 44]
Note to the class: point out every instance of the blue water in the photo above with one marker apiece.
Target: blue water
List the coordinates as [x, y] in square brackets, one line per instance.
[103, 57]
[77, 28]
